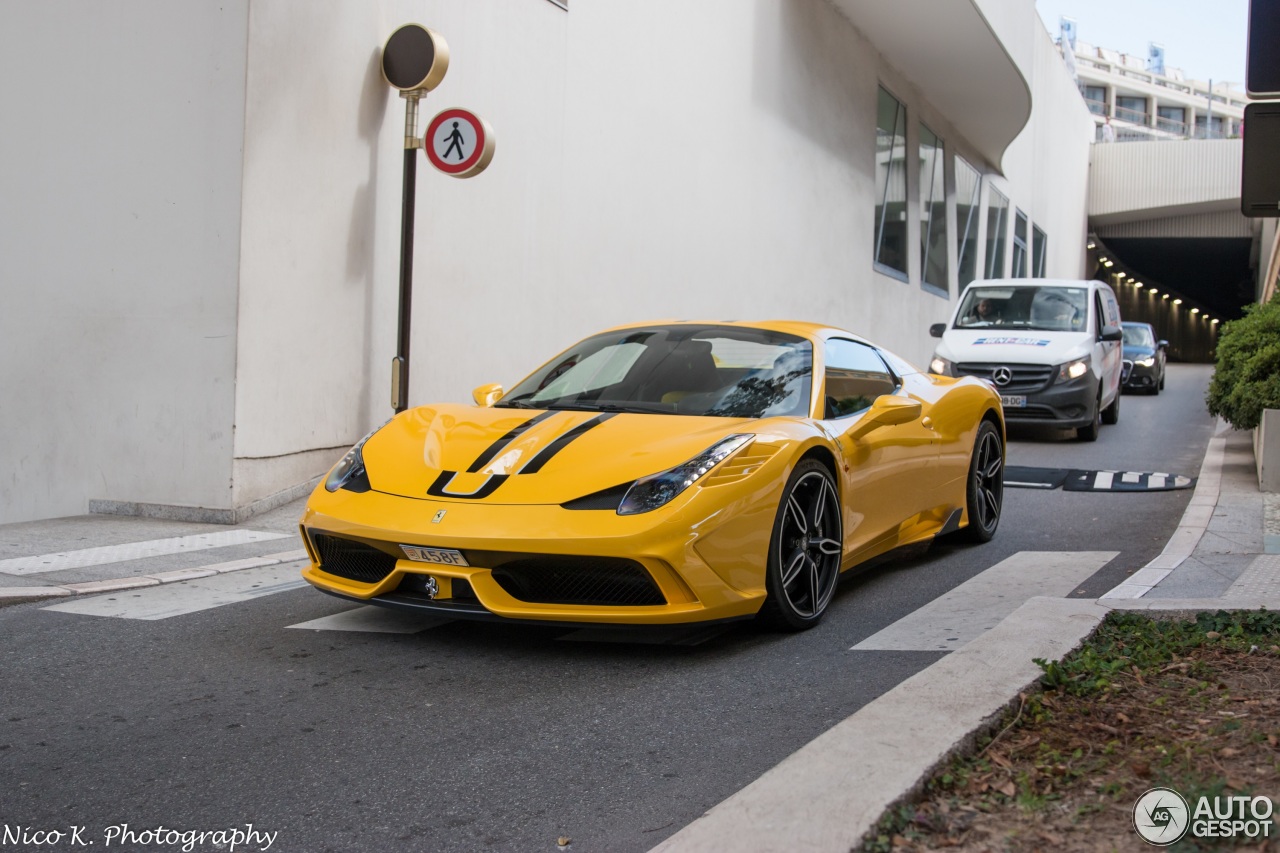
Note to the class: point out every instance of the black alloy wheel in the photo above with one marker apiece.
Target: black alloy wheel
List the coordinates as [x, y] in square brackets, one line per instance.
[984, 495]
[805, 549]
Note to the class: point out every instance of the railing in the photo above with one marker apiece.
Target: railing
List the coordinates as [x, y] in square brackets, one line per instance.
[1098, 108]
[1133, 116]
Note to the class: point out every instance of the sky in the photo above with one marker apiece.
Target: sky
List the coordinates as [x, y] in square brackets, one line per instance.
[1207, 39]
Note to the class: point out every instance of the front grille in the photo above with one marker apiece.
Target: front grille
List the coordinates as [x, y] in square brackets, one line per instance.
[352, 560]
[578, 580]
[1026, 377]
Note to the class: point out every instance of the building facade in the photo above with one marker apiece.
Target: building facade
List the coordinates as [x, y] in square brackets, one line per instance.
[200, 222]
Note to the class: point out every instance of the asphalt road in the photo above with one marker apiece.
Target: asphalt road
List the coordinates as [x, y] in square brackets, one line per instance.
[471, 736]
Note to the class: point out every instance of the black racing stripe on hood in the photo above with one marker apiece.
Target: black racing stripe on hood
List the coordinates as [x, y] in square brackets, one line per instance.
[536, 463]
[494, 449]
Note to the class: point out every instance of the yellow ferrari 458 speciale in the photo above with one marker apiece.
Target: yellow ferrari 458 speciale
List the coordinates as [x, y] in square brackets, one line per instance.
[659, 474]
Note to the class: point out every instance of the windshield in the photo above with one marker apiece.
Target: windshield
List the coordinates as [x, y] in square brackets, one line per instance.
[1046, 308]
[725, 371]
[1139, 336]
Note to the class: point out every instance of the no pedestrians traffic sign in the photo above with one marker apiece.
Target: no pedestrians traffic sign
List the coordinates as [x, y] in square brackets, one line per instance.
[458, 142]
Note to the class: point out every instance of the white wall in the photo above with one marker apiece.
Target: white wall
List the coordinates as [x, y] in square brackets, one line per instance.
[655, 159]
[119, 242]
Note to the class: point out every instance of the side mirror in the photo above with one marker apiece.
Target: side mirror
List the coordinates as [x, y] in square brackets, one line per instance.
[1162, 344]
[937, 329]
[1112, 333]
[886, 411]
[487, 395]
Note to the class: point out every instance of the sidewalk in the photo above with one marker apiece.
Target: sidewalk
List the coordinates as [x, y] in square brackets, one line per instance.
[92, 554]
[828, 795]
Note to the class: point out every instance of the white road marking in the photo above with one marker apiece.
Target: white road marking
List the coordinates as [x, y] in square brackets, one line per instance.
[979, 604]
[177, 599]
[377, 620]
[1131, 477]
[1156, 481]
[1102, 480]
[133, 551]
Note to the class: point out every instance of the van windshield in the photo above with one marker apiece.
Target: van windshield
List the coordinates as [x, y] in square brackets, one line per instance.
[1044, 308]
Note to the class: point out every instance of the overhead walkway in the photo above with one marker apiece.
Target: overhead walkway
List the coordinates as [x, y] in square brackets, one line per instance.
[1167, 216]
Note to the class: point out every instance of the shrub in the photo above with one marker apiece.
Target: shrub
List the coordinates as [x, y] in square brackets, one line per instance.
[1246, 379]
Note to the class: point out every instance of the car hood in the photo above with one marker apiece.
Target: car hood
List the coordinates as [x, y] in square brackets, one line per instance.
[524, 456]
[1135, 353]
[1014, 346]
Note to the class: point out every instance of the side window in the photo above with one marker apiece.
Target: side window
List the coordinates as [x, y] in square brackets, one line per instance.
[855, 376]
[1100, 316]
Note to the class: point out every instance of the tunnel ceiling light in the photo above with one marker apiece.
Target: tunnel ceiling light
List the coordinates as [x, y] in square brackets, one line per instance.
[1154, 291]
[1091, 245]
[1108, 264]
[1136, 283]
[1195, 310]
[1102, 260]
[1165, 295]
[1215, 321]
[1177, 302]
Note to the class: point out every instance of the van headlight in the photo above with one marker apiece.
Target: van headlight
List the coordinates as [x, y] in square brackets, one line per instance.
[1073, 370]
[940, 366]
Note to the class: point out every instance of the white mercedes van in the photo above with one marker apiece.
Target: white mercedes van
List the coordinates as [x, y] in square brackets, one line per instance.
[1051, 347]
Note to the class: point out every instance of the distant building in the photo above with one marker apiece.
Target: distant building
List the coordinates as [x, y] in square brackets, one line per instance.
[1148, 100]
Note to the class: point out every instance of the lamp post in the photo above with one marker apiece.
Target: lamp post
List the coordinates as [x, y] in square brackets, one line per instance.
[414, 60]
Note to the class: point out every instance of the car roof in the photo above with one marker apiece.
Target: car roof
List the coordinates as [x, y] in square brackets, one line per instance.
[800, 328]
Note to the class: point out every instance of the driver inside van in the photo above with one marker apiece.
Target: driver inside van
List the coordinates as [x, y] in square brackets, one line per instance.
[984, 311]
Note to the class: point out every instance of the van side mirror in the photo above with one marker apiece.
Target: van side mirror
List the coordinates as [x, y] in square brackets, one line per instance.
[886, 411]
[937, 329]
[487, 395]
[1112, 333]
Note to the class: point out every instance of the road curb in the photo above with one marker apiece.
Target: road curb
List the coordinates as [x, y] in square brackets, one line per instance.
[21, 594]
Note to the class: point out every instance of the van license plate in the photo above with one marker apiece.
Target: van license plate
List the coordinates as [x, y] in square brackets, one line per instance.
[443, 556]
[1018, 402]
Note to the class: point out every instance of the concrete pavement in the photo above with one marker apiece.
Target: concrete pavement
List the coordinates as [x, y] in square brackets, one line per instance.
[1224, 554]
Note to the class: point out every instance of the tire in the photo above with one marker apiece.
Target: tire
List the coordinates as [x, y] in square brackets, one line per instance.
[1111, 414]
[1160, 387]
[984, 494]
[1090, 432]
[805, 549]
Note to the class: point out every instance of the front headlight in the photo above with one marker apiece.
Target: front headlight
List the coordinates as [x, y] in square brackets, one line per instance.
[1149, 361]
[1073, 370]
[940, 366]
[649, 493]
[351, 466]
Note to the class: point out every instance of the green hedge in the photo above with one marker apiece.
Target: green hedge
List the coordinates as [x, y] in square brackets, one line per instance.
[1246, 379]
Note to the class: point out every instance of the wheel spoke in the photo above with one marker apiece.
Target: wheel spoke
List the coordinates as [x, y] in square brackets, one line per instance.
[981, 509]
[993, 505]
[797, 514]
[813, 586]
[827, 546]
[793, 569]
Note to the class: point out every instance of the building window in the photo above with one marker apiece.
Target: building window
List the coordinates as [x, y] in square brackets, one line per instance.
[1172, 119]
[997, 223]
[891, 186]
[1020, 245]
[1096, 99]
[968, 184]
[1039, 249]
[1129, 108]
[933, 212]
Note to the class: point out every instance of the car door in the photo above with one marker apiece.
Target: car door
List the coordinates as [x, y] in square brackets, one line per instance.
[888, 472]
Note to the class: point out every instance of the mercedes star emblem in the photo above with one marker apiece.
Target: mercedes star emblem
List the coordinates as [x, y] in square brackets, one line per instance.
[1002, 376]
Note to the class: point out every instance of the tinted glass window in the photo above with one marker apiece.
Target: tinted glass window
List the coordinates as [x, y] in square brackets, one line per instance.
[1048, 309]
[723, 371]
[855, 376]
